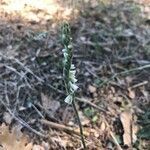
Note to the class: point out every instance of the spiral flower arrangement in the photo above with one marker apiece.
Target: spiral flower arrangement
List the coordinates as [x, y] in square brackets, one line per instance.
[69, 68]
[69, 73]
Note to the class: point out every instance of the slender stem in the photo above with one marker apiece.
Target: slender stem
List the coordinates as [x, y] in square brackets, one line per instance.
[79, 122]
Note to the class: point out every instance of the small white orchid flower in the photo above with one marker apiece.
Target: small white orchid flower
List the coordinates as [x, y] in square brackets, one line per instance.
[72, 77]
[74, 80]
[69, 99]
[72, 66]
[73, 87]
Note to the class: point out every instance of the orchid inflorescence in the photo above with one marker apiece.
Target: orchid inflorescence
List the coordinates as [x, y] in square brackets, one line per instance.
[69, 68]
[69, 73]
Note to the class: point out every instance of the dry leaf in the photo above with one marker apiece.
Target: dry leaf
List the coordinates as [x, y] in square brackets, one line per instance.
[37, 147]
[10, 141]
[67, 116]
[7, 117]
[85, 121]
[92, 89]
[131, 93]
[126, 119]
[52, 105]
[46, 145]
[103, 126]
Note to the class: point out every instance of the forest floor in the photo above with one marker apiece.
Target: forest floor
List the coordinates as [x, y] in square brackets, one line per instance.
[111, 41]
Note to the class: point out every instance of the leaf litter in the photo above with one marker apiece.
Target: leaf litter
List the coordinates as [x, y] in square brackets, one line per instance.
[116, 40]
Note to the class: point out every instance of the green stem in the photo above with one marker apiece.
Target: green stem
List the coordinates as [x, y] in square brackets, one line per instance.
[79, 122]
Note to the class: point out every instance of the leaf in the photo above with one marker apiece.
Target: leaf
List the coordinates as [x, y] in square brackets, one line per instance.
[94, 119]
[89, 112]
[38, 147]
[10, 141]
[91, 89]
[52, 105]
[131, 93]
[126, 118]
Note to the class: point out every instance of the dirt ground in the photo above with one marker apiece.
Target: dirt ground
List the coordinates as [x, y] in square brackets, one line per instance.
[111, 41]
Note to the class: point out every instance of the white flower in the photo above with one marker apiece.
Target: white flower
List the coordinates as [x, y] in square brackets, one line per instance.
[70, 46]
[72, 76]
[63, 36]
[73, 72]
[69, 99]
[73, 87]
[65, 56]
[74, 80]
[72, 66]
[64, 50]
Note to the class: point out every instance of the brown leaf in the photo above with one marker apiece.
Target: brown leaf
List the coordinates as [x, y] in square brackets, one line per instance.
[53, 105]
[37, 147]
[92, 89]
[126, 119]
[103, 126]
[46, 145]
[85, 121]
[130, 127]
[10, 141]
[131, 93]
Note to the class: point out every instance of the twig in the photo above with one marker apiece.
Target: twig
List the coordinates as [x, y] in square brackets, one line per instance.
[47, 112]
[101, 109]
[62, 127]
[113, 137]
[22, 122]
[14, 70]
[139, 84]
[17, 96]
[6, 96]
[91, 104]
[134, 69]
[27, 69]
[125, 72]
[23, 66]
[39, 113]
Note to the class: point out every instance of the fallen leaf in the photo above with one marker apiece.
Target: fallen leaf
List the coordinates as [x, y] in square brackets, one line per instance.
[126, 119]
[85, 121]
[37, 147]
[10, 141]
[46, 145]
[103, 126]
[91, 89]
[131, 93]
[52, 105]
[67, 115]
